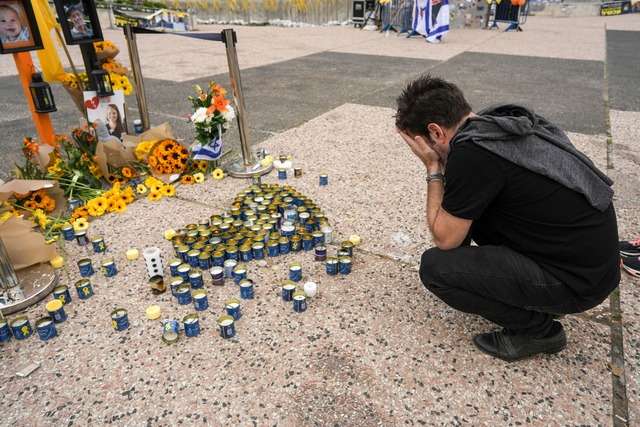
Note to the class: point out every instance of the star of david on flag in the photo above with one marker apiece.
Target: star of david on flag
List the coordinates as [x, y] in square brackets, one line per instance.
[209, 152]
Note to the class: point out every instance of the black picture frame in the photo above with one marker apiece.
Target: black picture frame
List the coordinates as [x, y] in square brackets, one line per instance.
[79, 21]
[23, 27]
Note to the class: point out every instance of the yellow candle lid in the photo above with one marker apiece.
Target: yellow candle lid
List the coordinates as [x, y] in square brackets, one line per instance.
[153, 312]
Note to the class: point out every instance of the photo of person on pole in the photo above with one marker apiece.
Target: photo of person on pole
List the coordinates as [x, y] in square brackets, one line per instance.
[18, 27]
[79, 21]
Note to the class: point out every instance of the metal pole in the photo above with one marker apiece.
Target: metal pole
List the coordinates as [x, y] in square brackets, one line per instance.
[251, 163]
[132, 47]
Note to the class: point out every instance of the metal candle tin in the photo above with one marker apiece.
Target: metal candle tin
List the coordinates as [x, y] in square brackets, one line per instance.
[328, 233]
[204, 260]
[273, 249]
[284, 245]
[195, 278]
[191, 325]
[119, 319]
[321, 252]
[227, 326]
[318, 238]
[200, 301]
[258, 250]
[83, 286]
[157, 284]
[217, 275]
[324, 179]
[174, 282]
[193, 258]
[217, 258]
[245, 253]
[183, 293]
[246, 289]
[239, 273]
[282, 173]
[67, 232]
[98, 244]
[295, 271]
[85, 267]
[288, 288]
[5, 331]
[81, 237]
[347, 245]
[55, 309]
[307, 242]
[229, 265]
[183, 271]
[21, 327]
[332, 266]
[299, 301]
[46, 328]
[170, 331]
[61, 292]
[173, 266]
[295, 243]
[344, 265]
[109, 267]
[233, 308]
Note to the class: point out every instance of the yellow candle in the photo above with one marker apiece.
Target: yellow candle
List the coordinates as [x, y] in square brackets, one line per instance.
[169, 234]
[57, 262]
[355, 239]
[153, 312]
[132, 254]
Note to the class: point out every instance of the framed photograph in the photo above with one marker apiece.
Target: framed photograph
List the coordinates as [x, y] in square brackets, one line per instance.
[108, 113]
[79, 21]
[18, 27]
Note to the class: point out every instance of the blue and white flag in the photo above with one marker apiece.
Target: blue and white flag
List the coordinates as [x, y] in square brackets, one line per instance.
[211, 151]
[431, 19]
[439, 14]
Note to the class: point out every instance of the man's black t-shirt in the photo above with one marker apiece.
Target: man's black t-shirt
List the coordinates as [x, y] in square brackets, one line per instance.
[535, 216]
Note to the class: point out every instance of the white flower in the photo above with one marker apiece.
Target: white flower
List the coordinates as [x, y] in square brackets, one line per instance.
[200, 116]
[229, 114]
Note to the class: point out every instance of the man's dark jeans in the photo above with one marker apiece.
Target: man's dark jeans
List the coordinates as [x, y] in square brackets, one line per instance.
[500, 285]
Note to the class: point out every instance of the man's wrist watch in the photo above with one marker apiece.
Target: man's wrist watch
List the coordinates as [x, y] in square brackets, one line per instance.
[435, 176]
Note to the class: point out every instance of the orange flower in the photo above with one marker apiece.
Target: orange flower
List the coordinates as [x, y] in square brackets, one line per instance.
[221, 103]
[187, 179]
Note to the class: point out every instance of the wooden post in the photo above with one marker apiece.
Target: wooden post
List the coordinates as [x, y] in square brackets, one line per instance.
[24, 64]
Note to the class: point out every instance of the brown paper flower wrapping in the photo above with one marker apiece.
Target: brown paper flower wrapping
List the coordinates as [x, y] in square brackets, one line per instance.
[23, 186]
[24, 246]
[107, 53]
[76, 96]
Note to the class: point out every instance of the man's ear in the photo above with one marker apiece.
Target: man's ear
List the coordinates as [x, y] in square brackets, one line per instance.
[436, 131]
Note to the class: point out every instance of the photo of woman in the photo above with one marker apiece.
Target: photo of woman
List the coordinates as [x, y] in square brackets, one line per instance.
[114, 121]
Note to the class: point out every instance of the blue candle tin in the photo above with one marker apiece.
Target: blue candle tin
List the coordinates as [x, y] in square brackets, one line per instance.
[83, 287]
[119, 319]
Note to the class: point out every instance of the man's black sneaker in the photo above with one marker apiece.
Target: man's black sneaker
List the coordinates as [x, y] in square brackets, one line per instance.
[632, 265]
[630, 248]
[511, 346]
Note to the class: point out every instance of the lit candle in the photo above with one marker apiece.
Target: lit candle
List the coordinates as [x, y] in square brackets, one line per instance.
[153, 312]
[132, 254]
[57, 262]
[310, 288]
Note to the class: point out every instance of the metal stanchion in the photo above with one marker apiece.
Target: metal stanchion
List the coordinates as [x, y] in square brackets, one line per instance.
[251, 162]
[132, 47]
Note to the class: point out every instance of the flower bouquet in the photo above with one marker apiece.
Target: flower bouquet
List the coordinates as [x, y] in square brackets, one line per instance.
[211, 117]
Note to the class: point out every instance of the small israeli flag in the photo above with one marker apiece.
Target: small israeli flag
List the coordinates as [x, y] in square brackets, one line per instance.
[211, 151]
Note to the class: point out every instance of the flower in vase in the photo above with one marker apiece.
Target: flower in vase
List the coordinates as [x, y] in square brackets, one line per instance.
[211, 115]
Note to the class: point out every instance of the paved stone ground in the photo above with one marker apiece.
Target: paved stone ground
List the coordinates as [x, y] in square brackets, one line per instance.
[374, 348]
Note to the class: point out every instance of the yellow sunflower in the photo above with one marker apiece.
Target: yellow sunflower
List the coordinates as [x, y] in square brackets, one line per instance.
[128, 195]
[198, 177]
[120, 206]
[141, 189]
[80, 224]
[154, 196]
[187, 179]
[217, 174]
[168, 190]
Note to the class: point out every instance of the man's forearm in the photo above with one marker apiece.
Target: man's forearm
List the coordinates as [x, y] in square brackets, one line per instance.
[435, 193]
